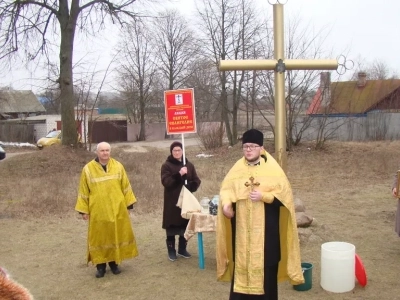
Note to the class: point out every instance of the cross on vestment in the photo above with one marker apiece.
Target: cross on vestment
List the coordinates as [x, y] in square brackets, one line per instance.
[279, 64]
[252, 183]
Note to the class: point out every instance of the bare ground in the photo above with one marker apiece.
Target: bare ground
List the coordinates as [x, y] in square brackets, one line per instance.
[345, 187]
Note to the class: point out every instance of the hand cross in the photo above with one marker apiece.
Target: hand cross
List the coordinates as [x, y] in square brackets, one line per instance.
[252, 183]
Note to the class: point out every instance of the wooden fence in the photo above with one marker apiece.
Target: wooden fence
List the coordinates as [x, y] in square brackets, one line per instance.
[17, 133]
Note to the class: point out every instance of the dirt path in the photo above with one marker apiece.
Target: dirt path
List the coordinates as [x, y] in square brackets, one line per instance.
[126, 146]
[143, 146]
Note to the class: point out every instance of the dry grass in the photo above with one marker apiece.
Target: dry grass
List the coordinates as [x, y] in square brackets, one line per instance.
[346, 188]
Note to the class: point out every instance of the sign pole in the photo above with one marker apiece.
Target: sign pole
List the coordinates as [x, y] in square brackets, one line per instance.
[183, 153]
[183, 149]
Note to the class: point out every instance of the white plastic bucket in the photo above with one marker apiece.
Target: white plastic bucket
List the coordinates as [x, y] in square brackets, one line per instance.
[338, 267]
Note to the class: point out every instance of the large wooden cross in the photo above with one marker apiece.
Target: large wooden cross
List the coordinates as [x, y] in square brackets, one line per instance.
[279, 64]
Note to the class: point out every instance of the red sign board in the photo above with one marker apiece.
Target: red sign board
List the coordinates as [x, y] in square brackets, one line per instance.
[180, 114]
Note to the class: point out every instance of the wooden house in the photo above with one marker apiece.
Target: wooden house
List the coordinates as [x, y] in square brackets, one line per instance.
[19, 104]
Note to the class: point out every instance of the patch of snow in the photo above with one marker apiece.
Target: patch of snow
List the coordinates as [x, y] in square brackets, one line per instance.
[17, 144]
[204, 155]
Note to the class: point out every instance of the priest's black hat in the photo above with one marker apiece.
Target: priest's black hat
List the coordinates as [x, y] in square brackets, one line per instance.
[253, 136]
[175, 144]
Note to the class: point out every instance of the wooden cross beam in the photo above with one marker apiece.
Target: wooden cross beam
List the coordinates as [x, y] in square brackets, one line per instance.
[252, 183]
[279, 64]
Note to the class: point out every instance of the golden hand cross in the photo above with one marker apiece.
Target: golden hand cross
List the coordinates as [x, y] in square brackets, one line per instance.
[252, 183]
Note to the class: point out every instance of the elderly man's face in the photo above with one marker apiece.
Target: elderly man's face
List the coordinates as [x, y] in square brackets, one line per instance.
[103, 152]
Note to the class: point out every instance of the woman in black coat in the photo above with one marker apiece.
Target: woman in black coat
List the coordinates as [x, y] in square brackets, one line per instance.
[173, 177]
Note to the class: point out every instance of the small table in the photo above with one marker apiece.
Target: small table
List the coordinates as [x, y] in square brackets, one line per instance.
[199, 223]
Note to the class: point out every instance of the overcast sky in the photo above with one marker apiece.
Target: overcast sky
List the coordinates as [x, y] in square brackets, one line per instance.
[364, 29]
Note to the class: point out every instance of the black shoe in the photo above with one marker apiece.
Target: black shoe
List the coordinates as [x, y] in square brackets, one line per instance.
[172, 256]
[184, 253]
[100, 273]
[182, 248]
[115, 270]
[171, 250]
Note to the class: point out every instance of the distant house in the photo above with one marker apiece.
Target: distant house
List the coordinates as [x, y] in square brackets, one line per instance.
[19, 104]
[352, 98]
[36, 126]
[354, 110]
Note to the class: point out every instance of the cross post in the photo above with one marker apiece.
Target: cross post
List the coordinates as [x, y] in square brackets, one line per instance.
[279, 64]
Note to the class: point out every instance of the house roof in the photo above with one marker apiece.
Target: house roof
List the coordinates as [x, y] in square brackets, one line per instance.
[348, 98]
[35, 119]
[110, 117]
[13, 101]
[315, 104]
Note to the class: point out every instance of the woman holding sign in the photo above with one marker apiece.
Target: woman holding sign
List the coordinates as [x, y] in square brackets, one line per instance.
[174, 174]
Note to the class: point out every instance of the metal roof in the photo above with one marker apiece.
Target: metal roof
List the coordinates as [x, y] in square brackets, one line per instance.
[348, 97]
[14, 101]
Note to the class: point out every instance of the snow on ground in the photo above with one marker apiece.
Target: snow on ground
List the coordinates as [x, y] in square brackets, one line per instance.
[19, 145]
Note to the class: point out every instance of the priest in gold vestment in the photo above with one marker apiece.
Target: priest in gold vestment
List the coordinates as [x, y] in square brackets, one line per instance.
[257, 239]
[104, 198]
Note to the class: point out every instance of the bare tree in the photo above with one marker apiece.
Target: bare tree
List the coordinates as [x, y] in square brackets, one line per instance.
[230, 27]
[28, 25]
[87, 101]
[137, 70]
[377, 70]
[205, 78]
[51, 92]
[301, 44]
[51, 100]
[177, 47]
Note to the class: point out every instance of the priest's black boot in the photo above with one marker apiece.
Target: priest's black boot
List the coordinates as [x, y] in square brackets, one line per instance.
[171, 250]
[114, 268]
[182, 248]
[101, 270]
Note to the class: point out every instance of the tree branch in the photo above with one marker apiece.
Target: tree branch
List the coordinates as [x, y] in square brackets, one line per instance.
[28, 2]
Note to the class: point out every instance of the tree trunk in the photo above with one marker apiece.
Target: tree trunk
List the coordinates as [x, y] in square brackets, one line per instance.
[67, 28]
[142, 133]
[225, 109]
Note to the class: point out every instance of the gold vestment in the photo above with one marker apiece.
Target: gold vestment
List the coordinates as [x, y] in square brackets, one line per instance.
[250, 218]
[105, 196]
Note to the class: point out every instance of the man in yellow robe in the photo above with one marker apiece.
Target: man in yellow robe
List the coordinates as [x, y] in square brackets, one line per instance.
[104, 198]
[257, 240]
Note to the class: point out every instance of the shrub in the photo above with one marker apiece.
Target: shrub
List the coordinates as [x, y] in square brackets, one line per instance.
[211, 135]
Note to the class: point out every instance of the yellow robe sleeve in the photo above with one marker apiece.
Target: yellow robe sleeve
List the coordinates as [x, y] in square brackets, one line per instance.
[82, 203]
[267, 197]
[127, 188]
[224, 241]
